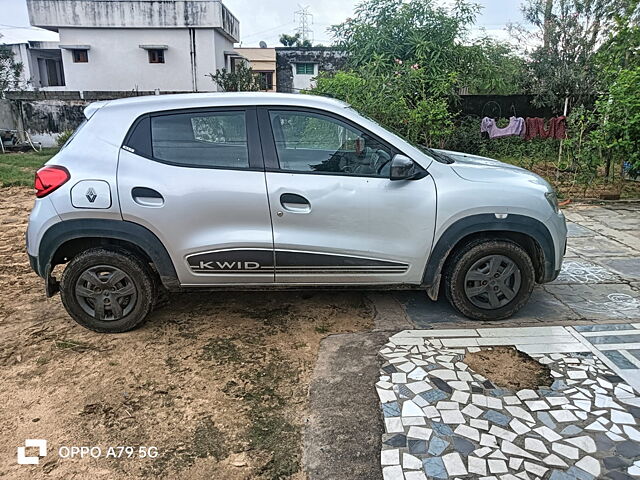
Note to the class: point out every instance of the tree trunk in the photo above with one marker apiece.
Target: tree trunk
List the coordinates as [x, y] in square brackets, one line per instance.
[548, 10]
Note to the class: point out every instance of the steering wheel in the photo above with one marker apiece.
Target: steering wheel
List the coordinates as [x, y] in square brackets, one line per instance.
[386, 160]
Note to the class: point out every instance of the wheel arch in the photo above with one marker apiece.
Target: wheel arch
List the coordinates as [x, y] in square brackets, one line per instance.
[68, 238]
[528, 232]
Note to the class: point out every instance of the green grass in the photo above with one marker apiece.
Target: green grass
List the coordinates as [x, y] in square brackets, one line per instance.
[19, 168]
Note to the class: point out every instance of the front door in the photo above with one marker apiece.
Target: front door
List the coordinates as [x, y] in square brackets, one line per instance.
[196, 179]
[337, 218]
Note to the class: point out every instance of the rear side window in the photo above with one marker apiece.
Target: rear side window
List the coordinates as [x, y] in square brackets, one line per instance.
[201, 139]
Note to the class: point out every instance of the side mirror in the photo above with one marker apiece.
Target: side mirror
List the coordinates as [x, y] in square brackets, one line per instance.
[402, 168]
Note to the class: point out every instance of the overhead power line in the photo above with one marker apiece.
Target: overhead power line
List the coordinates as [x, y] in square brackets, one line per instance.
[305, 20]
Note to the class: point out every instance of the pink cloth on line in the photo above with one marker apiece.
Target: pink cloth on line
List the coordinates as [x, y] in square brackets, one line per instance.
[516, 127]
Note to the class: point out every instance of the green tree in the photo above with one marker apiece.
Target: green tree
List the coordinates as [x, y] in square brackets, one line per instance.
[294, 41]
[495, 69]
[568, 34]
[10, 71]
[406, 62]
[240, 79]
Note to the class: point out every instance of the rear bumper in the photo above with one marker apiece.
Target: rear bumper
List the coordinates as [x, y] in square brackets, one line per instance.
[33, 262]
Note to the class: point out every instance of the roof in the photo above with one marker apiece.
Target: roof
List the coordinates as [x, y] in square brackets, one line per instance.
[258, 54]
[151, 103]
[17, 35]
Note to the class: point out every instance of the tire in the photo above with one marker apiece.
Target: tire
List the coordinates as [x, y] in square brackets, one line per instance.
[108, 291]
[500, 296]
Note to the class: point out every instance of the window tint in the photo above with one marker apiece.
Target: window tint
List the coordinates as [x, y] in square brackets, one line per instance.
[309, 142]
[201, 139]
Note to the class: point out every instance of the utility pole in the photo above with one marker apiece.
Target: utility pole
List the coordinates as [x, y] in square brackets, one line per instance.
[305, 20]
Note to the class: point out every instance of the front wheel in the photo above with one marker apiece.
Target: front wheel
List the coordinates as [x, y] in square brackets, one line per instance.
[489, 279]
[107, 291]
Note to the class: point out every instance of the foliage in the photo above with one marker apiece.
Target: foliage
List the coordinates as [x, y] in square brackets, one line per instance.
[240, 79]
[618, 128]
[294, 41]
[496, 70]
[10, 70]
[63, 137]
[394, 101]
[620, 51]
[408, 61]
[568, 34]
[466, 137]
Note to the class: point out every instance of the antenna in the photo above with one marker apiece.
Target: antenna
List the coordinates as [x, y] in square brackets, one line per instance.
[305, 20]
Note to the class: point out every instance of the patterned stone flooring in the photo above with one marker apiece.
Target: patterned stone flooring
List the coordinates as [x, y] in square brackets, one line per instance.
[443, 420]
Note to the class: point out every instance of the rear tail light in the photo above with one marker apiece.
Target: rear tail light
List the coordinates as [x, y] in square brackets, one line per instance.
[49, 179]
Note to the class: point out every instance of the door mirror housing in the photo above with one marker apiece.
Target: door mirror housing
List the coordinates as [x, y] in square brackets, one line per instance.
[403, 168]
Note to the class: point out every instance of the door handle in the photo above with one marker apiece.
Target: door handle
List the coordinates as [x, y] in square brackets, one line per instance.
[147, 197]
[295, 203]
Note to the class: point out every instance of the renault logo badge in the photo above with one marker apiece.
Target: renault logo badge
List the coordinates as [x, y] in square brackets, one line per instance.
[91, 195]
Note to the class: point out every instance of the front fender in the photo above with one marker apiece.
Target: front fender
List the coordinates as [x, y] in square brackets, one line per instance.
[488, 222]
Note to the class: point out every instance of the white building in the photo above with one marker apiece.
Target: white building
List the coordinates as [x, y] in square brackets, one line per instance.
[138, 45]
[37, 50]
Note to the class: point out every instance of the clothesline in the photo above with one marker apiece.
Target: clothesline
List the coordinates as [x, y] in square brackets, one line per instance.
[529, 128]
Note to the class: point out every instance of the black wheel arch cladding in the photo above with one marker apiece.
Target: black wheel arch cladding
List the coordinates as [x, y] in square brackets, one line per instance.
[106, 230]
[488, 223]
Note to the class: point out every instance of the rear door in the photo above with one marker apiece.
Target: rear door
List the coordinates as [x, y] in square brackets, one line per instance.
[196, 179]
[337, 217]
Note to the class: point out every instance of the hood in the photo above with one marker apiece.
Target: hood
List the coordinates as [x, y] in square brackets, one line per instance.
[482, 169]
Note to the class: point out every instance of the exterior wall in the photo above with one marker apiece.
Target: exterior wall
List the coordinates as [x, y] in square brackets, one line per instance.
[55, 14]
[304, 81]
[116, 61]
[326, 59]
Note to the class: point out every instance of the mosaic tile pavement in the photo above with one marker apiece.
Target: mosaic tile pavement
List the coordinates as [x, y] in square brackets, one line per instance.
[443, 420]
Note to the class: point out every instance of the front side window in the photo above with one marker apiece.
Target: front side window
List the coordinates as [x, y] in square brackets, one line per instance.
[80, 56]
[305, 68]
[315, 143]
[156, 56]
[203, 139]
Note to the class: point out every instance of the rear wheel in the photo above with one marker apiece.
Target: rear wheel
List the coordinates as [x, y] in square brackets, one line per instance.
[107, 291]
[489, 279]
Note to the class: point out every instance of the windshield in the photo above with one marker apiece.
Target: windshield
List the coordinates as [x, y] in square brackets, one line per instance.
[437, 156]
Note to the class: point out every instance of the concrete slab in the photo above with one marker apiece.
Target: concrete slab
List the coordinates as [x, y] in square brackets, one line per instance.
[628, 268]
[599, 246]
[424, 313]
[342, 438]
[599, 301]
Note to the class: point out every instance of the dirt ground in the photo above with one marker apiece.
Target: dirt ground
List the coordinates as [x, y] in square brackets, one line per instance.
[509, 368]
[217, 382]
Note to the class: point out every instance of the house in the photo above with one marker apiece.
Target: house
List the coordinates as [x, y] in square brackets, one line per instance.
[37, 50]
[296, 67]
[138, 45]
[262, 61]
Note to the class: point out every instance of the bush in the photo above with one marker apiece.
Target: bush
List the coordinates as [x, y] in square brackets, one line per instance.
[466, 137]
[63, 137]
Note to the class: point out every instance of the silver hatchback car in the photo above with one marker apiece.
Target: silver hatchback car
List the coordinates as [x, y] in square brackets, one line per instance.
[225, 190]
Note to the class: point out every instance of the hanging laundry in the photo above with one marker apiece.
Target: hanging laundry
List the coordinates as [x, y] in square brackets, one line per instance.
[516, 127]
[556, 128]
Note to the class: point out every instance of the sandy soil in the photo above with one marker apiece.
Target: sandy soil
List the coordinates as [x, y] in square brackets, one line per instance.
[217, 382]
[509, 368]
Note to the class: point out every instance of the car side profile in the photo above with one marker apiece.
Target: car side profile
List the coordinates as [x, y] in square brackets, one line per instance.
[256, 190]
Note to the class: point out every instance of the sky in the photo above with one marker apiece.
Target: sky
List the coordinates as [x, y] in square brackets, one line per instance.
[267, 19]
